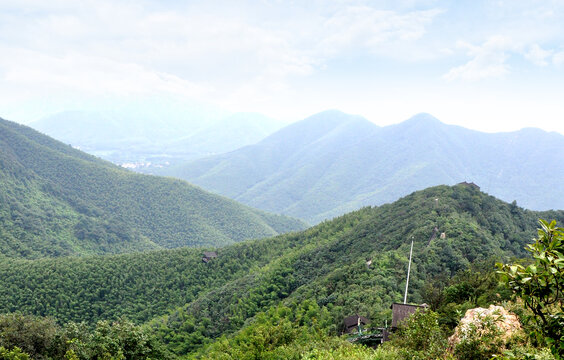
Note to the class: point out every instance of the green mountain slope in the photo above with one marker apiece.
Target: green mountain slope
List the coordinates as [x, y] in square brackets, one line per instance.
[59, 201]
[331, 269]
[332, 163]
[326, 264]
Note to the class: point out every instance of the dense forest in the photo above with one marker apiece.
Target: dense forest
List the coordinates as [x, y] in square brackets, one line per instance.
[58, 201]
[304, 282]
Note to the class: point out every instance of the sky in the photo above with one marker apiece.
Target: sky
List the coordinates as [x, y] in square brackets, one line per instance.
[485, 65]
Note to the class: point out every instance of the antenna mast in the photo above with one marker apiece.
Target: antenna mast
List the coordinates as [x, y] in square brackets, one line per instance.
[408, 271]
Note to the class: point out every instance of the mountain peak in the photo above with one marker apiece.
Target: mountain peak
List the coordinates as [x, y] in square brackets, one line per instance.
[318, 125]
[422, 119]
[334, 116]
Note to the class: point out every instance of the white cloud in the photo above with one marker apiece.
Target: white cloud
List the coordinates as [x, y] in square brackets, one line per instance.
[538, 55]
[365, 27]
[280, 57]
[489, 60]
[215, 49]
[88, 74]
[558, 58]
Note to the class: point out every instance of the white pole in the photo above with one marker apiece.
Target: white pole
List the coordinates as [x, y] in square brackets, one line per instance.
[408, 271]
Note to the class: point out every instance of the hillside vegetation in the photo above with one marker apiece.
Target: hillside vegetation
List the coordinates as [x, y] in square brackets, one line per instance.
[55, 200]
[332, 163]
[323, 269]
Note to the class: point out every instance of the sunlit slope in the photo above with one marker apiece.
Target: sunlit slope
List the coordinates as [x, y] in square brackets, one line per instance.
[332, 163]
[326, 264]
[59, 201]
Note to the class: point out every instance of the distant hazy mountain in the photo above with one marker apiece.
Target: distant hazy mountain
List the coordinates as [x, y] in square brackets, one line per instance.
[223, 135]
[56, 200]
[332, 163]
[142, 140]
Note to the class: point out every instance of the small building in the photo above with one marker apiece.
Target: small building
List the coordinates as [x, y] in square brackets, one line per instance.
[352, 323]
[208, 256]
[470, 185]
[400, 312]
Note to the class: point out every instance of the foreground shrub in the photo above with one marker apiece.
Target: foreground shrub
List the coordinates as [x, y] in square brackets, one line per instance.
[419, 337]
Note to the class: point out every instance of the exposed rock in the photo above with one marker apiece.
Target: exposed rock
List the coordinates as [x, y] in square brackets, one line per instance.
[474, 323]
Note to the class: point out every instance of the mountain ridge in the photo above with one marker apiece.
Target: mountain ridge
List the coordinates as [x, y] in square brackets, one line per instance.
[60, 201]
[363, 164]
[189, 303]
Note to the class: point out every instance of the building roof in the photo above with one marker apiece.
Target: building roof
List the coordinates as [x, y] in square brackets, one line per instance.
[351, 321]
[210, 254]
[469, 184]
[400, 312]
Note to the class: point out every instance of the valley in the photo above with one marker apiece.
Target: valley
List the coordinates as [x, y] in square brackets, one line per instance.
[332, 163]
[281, 180]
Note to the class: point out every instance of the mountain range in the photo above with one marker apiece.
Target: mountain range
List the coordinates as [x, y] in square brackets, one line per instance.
[332, 163]
[56, 200]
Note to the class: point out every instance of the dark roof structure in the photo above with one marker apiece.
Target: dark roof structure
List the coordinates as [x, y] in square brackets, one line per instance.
[400, 312]
[208, 255]
[351, 322]
[470, 185]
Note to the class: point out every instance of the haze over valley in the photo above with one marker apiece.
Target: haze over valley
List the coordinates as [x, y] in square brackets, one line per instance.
[332, 163]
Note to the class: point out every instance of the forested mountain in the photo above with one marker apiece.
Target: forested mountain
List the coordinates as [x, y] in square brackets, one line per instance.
[354, 264]
[147, 141]
[332, 163]
[56, 200]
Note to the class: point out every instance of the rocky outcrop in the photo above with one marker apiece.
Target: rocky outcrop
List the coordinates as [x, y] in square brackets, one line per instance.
[478, 322]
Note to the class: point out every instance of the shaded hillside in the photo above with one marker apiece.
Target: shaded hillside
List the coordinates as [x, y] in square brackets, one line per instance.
[332, 163]
[56, 200]
[326, 264]
[292, 170]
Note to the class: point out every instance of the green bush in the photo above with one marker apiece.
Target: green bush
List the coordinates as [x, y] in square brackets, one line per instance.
[14, 354]
[419, 337]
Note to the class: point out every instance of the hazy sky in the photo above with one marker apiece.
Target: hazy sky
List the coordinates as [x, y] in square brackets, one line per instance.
[486, 65]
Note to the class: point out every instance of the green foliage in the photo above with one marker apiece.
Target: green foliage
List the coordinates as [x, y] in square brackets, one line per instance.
[479, 340]
[197, 303]
[345, 351]
[271, 333]
[476, 286]
[420, 337]
[541, 284]
[526, 353]
[138, 286]
[14, 354]
[58, 201]
[35, 336]
[40, 338]
[296, 332]
[328, 263]
[117, 340]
